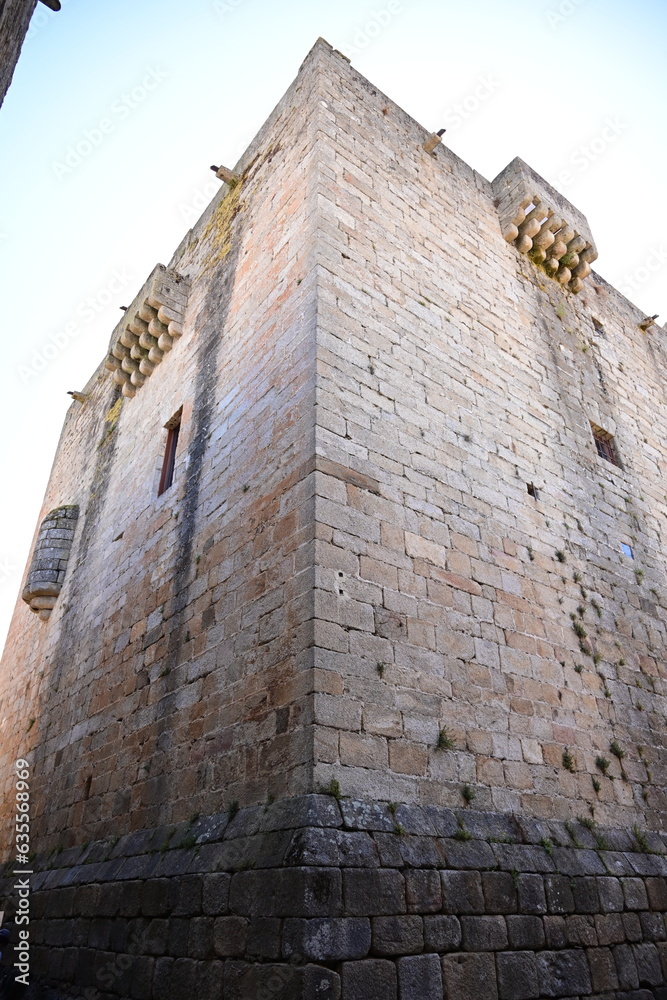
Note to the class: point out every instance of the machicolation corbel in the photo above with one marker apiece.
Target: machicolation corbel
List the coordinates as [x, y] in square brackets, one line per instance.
[544, 226]
[148, 329]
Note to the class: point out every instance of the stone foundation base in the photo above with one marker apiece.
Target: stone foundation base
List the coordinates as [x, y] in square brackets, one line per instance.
[319, 899]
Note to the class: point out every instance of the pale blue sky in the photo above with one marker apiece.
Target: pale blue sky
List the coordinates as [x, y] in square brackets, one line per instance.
[575, 87]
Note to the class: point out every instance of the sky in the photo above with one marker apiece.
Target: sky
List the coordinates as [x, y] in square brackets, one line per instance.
[117, 110]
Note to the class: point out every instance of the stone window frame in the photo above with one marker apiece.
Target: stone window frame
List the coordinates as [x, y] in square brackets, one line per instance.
[169, 452]
[605, 445]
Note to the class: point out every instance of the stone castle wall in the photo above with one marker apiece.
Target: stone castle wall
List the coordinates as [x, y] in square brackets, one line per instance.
[456, 373]
[181, 640]
[314, 899]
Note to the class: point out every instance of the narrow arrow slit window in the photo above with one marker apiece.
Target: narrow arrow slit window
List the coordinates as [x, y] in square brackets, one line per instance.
[169, 461]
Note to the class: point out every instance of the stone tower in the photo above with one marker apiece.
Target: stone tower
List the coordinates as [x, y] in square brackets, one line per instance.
[339, 663]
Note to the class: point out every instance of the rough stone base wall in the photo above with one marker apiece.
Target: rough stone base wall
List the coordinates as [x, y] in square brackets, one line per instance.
[321, 899]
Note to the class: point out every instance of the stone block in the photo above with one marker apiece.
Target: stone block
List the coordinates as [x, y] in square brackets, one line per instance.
[322, 983]
[356, 850]
[185, 896]
[517, 975]
[373, 893]
[609, 928]
[398, 935]
[462, 892]
[484, 933]
[389, 849]
[372, 979]
[215, 894]
[155, 897]
[472, 855]
[603, 969]
[563, 973]
[162, 976]
[632, 927]
[500, 892]
[293, 892]
[360, 815]
[647, 961]
[182, 978]
[264, 938]
[626, 967]
[210, 979]
[243, 981]
[585, 892]
[610, 894]
[442, 933]
[634, 892]
[141, 977]
[532, 897]
[470, 977]
[656, 889]
[525, 932]
[420, 852]
[230, 937]
[423, 891]
[580, 930]
[652, 926]
[559, 894]
[419, 978]
[334, 939]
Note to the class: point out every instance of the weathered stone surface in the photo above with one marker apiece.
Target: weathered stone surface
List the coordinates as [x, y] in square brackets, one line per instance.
[525, 932]
[559, 894]
[373, 979]
[462, 892]
[517, 976]
[442, 933]
[230, 937]
[295, 892]
[500, 892]
[484, 933]
[634, 893]
[532, 897]
[420, 978]
[563, 973]
[603, 970]
[423, 891]
[610, 895]
[469, 977]
[326, 940]
[398, 935]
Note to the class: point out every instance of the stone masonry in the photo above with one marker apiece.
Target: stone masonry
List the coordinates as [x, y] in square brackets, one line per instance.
[371, 700]
[14, 23]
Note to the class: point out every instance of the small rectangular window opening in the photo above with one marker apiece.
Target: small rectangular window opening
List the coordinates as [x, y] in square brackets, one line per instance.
[169, 461]
[533, 491]
[627, 550]
[604, 442]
